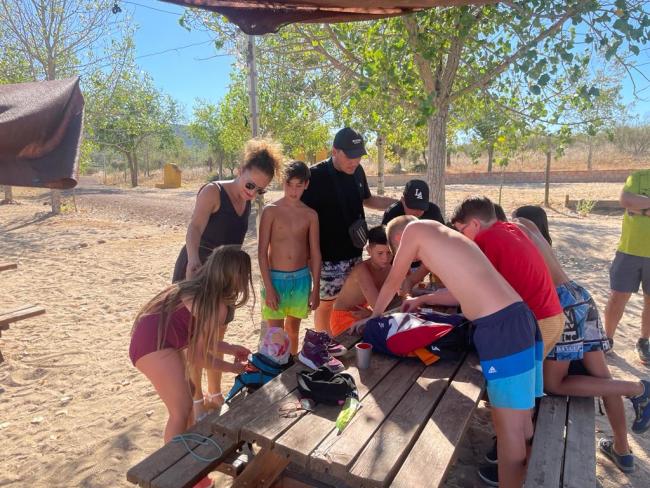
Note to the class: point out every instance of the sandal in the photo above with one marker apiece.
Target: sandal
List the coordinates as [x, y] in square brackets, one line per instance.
[214, 401]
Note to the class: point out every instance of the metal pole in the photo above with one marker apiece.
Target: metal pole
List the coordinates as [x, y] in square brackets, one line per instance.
[255, 116]
[252, 86]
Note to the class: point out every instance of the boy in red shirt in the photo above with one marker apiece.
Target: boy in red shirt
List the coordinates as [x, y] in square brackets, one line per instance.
[518, 260]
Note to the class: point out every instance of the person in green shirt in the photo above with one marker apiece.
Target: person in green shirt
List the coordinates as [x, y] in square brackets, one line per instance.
[631, 265]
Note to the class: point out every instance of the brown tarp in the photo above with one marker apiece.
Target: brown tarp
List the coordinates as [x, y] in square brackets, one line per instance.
[40, 133]
[259, 17]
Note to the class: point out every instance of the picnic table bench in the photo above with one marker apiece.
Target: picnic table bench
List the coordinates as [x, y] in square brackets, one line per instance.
[405, 434]
[22, 313]
[173, 466]
[564, 451]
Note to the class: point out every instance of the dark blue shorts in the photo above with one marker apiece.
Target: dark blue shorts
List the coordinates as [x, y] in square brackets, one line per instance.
[511, 352]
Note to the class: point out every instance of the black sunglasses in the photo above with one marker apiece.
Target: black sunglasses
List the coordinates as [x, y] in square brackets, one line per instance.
[252, 186]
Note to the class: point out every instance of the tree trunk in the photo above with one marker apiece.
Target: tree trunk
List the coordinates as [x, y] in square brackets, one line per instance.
[490, 151]
[9, 196]
[448, 158]
[436, 154]
[210, 164]
[380, 164]
[133, 168]
[590, 154]
[55, 196]
[547, 179]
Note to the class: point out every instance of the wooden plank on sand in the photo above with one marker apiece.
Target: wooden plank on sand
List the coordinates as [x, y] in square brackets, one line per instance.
[297, 446]
[7, 266]
[337, 452]
[432, 454]
[384, 454]
[580, 452]
[22, 313]
[242, 413]
[545, 463]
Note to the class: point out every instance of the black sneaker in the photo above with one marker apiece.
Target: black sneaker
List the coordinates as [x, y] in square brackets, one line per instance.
[492, 457]
[641, 406]
[643, 349]
[489, 474]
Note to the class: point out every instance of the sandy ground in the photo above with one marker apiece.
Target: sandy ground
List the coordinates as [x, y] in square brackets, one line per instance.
[73, 410]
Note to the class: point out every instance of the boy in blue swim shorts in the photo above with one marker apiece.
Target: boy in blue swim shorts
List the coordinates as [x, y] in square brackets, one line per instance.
[507, 337]
[289, 256]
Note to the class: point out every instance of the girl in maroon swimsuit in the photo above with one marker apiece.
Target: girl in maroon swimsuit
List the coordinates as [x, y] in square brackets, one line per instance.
[190, 315]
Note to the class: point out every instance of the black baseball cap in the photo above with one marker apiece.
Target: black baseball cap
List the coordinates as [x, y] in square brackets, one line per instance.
[350, 142]
[416, 194]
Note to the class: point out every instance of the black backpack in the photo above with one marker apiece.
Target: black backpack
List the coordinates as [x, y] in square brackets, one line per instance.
[323, 386]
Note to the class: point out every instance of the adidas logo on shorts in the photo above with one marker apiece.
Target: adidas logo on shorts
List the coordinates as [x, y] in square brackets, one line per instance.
[492, 370]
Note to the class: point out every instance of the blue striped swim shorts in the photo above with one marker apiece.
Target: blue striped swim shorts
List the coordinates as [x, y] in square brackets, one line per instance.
[511, 352]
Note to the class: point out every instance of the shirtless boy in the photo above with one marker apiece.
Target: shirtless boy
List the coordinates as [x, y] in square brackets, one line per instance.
[288, 241]
[507, 337]
[359, 293]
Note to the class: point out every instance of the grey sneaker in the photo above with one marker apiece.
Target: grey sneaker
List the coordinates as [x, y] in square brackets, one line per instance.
[643, 349]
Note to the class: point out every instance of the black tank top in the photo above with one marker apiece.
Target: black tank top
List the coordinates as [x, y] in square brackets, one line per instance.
[225, 226]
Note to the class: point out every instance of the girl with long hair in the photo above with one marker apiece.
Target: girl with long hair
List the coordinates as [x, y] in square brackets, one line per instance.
[190, 316]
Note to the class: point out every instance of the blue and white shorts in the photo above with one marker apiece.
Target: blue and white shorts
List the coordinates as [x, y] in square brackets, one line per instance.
[332, 276]
[511, 351]
[583, 330]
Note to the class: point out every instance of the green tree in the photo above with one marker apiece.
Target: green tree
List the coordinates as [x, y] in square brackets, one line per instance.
[527, 52]
[132, 111]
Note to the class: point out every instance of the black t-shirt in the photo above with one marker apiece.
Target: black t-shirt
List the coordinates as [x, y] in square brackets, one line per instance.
[323, 197]
[397, 209]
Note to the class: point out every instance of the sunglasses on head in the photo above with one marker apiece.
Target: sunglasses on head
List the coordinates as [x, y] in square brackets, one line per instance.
[252, 186]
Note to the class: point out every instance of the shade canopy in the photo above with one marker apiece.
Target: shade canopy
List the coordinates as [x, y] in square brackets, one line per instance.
[259, 17]
[40, 133]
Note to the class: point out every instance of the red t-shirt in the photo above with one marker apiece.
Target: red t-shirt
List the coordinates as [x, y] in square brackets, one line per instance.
[515, 256]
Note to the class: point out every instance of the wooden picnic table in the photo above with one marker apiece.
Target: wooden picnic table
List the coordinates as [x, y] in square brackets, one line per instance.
[405, 434]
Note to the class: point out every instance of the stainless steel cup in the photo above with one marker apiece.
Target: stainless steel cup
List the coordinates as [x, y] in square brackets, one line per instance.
[364, 351]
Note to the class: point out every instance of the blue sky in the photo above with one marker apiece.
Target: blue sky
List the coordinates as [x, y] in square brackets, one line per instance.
[187, 73]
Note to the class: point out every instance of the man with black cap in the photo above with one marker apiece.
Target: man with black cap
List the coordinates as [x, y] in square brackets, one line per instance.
[414, 201]
[338, 191]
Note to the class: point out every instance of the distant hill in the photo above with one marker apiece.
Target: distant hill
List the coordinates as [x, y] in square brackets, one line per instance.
[183, 132]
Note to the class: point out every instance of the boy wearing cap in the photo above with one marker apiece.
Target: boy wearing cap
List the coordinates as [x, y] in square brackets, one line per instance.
[414, 201]
[338, 191]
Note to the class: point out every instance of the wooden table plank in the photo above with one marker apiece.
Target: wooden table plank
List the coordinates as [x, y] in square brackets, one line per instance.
[580, 452]
[384, 454]
[25, 312]
[153, 466]
[8, 266]
[545, 463]
[297, 446]
[432, 454]
[336, 453]
[262, 471]
[269, 425]
[242, 413]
